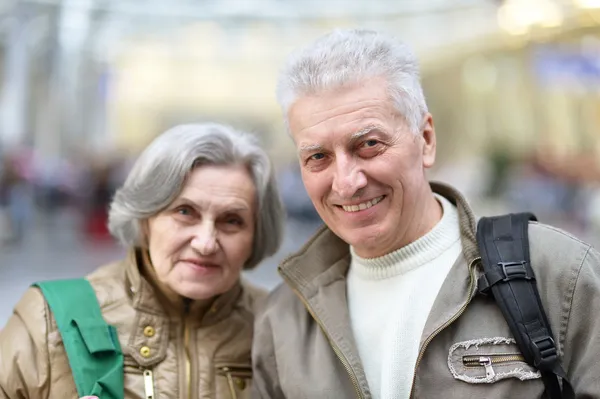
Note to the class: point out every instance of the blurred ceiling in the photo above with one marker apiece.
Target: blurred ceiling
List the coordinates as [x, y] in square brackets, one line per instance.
[106, 27]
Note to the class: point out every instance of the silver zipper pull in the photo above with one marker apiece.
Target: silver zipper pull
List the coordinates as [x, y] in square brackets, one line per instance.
[230, 382]
[149, 384]
[489, 370]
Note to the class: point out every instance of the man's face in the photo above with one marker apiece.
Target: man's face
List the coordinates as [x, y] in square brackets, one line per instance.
[362, 167]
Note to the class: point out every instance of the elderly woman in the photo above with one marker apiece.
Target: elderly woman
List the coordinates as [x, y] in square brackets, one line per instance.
[198, 207]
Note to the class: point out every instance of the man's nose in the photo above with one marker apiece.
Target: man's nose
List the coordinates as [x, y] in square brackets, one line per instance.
[348, 179]
[205, 238]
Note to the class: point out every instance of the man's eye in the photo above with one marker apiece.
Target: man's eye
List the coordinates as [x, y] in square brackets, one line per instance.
[317, 156]
[370, 143]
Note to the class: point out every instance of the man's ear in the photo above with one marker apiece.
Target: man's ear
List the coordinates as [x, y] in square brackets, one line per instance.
[429, 141]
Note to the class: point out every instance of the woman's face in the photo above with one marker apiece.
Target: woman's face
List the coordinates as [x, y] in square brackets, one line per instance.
[199, 244]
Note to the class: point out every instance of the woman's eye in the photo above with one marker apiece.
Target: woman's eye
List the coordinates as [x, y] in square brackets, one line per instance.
[233, 223]
[184, 210]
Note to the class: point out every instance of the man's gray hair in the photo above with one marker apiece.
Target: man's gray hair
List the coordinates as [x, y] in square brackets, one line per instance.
[160, 172]
[344, 57]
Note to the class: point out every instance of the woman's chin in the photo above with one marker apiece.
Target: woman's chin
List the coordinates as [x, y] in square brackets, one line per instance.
[199, 291]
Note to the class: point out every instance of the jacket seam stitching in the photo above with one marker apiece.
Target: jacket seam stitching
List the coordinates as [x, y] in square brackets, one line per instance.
[273, 355]
[561, 232]
[570, 297]
[47, 317]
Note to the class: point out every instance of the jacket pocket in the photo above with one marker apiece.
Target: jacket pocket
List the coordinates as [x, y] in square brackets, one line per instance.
[237, 379]
[140, 376]
[487, 360]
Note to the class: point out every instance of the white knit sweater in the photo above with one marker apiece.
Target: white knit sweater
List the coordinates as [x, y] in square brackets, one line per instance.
[389, 299]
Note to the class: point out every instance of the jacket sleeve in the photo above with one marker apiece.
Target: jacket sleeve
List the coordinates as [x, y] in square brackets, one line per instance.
[582, 340]
[265, 379]
[24, 357]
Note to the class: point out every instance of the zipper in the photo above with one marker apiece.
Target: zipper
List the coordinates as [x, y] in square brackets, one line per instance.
[131, 367]
[337, 351]
[187, 363]
[148, 384]
[446, 324]
[188, 359]
[475, 360]
[488, 361]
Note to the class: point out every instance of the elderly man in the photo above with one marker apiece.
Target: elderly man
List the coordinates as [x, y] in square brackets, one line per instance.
[382, 302]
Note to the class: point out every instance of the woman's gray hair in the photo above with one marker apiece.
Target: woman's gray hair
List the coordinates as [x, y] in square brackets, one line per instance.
[345, 57]
[160, 172]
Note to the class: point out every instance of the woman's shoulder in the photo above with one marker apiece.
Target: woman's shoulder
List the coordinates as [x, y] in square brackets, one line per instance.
[33, 309]
[24, 344]
[110, 283]
[33, 315]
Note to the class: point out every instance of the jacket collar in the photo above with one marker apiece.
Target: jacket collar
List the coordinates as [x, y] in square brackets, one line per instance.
[149, 296]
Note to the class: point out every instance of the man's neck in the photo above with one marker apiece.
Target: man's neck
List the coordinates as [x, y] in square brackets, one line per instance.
[424, 221]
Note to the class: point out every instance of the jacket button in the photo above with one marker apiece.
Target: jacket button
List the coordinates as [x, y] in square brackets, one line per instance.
[145, 351]
[240, 382]
[149, 331]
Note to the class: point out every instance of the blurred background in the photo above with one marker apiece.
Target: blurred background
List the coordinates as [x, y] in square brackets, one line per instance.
[514, 87]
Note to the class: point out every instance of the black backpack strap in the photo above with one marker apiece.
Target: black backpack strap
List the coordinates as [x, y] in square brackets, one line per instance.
[504, 248]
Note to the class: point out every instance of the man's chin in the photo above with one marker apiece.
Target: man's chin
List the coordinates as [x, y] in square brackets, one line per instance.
[367, 244]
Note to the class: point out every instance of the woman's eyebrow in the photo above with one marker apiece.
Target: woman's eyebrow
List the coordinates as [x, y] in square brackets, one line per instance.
[235, 209]
[222, 208]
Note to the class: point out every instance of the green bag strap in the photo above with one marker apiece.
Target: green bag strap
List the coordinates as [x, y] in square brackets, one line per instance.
[92, 346]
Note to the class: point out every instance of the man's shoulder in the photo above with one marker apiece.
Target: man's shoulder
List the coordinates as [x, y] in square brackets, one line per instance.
[552, 234]
[252, 298]
[282, 295]
[551, 242]
[282, 300]
[558, 256]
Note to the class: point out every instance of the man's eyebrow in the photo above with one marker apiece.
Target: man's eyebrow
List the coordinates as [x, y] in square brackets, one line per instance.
[355, 136]
[310, 147]
[364, 131]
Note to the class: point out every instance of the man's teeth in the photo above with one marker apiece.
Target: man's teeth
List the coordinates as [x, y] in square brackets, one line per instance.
[362, 206]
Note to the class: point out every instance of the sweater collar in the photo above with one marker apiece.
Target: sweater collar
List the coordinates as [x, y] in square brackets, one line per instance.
[420, 252]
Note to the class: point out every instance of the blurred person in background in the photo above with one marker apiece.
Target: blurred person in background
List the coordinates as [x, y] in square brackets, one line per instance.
[382, 302]
[16, 203]
[199, 205]
[99, 191]
[297, 203]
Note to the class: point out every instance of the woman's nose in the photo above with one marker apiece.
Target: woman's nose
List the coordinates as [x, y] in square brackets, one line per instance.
[205, 239]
